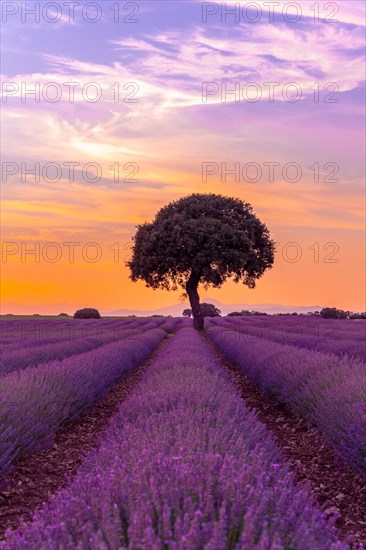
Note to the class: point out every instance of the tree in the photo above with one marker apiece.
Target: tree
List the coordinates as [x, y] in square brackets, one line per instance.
[234, 314]
[201, 239]
[187, 313]
[209, 310]
[361, 315]
[87, 313]
[63, 315]
[333, 313]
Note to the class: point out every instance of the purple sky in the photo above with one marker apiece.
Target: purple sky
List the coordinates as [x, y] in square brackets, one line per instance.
[168, 54]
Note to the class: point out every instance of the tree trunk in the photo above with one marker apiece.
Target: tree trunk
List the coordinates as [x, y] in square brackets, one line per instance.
[194, 300]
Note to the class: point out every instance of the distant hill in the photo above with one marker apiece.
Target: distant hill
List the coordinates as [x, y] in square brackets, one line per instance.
[177, 309]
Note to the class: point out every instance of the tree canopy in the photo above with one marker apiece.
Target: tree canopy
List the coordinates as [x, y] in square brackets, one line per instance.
[201, 239]
[209, 310]
[87, 313]
[333, 313]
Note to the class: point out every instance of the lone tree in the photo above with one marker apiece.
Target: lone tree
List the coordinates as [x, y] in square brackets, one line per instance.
[202, 238]
[87, 313]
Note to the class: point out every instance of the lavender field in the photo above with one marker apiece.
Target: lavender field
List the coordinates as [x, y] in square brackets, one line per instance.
[184, 461]
[183, 306]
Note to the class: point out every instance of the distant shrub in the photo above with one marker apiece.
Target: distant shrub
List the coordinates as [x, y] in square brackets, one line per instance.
[246, 312]
[358, 315]
[63, 315]
[333, 313]
[209, 310]
[87, 313]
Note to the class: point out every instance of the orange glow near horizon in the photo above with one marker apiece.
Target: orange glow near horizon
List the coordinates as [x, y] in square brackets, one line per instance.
[304, 274]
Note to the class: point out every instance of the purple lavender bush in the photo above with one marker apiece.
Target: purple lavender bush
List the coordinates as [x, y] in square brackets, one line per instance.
[24, 355]
[183, 465]
[35, 402]
[29, 330]
[317, 334]
[36, 334]
[327, 390]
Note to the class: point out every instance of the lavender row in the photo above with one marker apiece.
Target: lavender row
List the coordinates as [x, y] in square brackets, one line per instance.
[25, 357]
[313, 335]
[326, 329]
[332, 328]
[34, 333]
[35, 402]
[184, 464]
[19, 329]
[327, 390]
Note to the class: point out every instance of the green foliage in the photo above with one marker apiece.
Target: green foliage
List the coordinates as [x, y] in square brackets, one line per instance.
[213, 236]
[87, 313]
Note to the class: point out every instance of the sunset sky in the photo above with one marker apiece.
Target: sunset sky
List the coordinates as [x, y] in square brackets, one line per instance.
[163, 125]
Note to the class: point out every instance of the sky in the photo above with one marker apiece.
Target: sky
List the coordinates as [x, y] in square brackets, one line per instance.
[112, 109]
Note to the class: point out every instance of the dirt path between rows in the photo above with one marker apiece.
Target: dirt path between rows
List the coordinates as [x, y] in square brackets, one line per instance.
[339, 492]
[36, 478]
